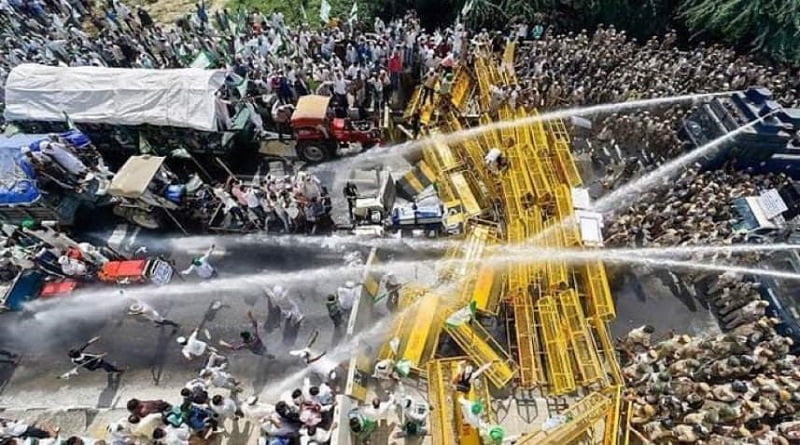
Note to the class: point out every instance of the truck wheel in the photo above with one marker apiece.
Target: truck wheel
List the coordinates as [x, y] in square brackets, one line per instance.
[146, 220]
[312, 153]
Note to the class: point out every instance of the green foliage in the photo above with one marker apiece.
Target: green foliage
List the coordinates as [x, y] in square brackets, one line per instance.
[771, 26]
[293, 13]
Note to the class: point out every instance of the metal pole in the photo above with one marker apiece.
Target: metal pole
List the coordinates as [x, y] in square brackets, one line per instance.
[200, 167]
[175, 221]
[219, 161]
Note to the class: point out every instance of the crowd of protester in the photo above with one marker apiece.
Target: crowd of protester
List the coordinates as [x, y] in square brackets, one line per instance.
[359, 64]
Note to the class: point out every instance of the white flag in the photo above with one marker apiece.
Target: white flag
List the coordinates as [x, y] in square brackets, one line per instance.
[354, 12]
[303, 12]
[325, 11]
[467, 7]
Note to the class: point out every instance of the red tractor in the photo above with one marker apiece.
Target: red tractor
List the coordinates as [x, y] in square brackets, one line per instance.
[320, 136]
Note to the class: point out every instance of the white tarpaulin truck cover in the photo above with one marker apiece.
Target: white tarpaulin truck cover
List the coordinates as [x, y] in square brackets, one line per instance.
[120, 96]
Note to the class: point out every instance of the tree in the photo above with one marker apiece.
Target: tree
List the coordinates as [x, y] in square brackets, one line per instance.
[771, 26]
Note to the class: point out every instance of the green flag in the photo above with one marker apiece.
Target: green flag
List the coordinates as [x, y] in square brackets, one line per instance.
[325, 11]
[467, 8]
[70, 124]
[303, 12]
[402, 367]
[181, 153]
[354, 12]
[463, 315]
[144, 145]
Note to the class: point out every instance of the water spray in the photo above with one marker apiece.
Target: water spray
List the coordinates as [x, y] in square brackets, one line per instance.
[620, 196]
[462, 135]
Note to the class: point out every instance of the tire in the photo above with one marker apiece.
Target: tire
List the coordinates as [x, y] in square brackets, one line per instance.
[313, 153]
[145, 219]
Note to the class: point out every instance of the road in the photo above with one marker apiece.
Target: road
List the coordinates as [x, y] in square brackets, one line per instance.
[151, 355]
[312, 267]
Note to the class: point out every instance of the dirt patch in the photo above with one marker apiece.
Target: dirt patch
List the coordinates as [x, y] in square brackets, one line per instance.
[166, 11]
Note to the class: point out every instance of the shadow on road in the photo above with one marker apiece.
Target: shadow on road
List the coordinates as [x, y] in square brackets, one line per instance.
[106, 398]
[6, 372]
[165, 334]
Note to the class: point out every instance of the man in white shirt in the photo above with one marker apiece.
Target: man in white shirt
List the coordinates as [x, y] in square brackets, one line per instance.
[347, 295]
[72, 267]
[192, 347]
[279, 296]
[495, 161]
[170, 435]
[201, 265]
[314, 435]
[144, 310]
[224, 408]
[340, 90]
[219, 378]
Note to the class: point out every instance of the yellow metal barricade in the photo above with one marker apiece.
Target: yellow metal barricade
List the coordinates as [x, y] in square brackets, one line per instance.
[413, 104]
[598, 291]
[479, 345]
[559, 368]
[583, 347]
[583, 417]
[442, 413]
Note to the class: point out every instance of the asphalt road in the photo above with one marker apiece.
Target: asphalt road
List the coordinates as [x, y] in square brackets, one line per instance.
[150, 354]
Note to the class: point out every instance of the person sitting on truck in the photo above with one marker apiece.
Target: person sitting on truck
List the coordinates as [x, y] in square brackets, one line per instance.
[73, 267]
[66, 159]
[44, 166]
[282, 115]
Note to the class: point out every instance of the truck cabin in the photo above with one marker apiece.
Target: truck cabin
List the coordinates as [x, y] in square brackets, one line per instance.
[144, 180]
[311, 117]
[320, 134]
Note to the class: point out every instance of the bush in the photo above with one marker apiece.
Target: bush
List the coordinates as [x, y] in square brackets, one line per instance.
[770, 26]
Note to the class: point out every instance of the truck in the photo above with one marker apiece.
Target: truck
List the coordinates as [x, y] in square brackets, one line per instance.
[123, 109]
[772, 145]
[30, 285]
[319, 135]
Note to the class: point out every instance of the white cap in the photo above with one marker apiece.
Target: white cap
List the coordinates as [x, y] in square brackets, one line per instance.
[136, 307]
[181, 340]
[349, 284]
